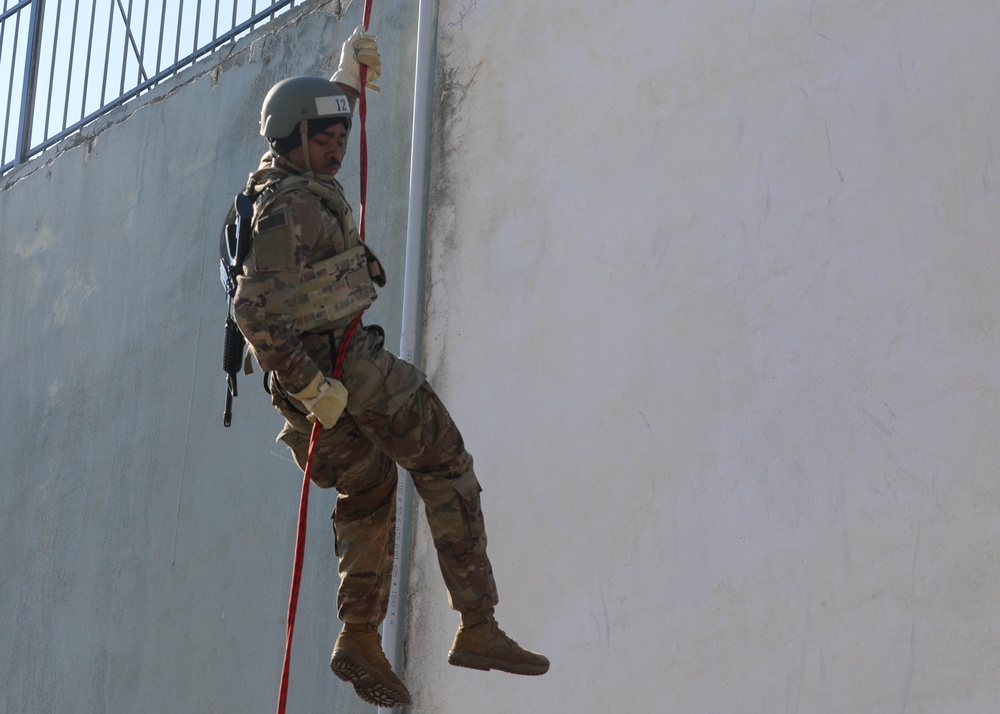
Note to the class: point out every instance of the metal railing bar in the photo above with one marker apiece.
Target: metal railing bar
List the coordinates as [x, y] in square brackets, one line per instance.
[86, 67]
[52, 67]
[129, 40]
[30, 78]
[163, 21]
[72, 56]
[10, 92]
[246, 25]
[215, 22]
[13, 66]
[142, 51]
[10, 100]
[10, 83]
[125, 44]
[3, 26]
[107, 51]
[10, 97]
[180, 24]
[7, 13]
[197, 25]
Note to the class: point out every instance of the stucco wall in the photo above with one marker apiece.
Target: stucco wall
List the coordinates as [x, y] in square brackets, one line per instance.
[147, 550]
[713, 296]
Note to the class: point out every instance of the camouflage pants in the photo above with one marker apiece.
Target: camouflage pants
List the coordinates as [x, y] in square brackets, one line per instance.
[393, 417]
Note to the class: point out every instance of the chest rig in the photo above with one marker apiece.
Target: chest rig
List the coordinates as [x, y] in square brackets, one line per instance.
[332, 290]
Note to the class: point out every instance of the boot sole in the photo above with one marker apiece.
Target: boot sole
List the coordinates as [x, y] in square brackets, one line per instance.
[473, 661]
[369, 683]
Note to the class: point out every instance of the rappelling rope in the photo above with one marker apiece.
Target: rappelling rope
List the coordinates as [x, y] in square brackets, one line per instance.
[338, 370]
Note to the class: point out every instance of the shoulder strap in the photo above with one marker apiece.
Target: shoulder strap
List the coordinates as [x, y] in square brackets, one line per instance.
[271, 183]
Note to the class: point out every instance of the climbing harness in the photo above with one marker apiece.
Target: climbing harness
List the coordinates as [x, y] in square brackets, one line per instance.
[338, 369]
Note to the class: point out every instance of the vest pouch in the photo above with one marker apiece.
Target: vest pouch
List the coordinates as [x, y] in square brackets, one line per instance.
[333, 289]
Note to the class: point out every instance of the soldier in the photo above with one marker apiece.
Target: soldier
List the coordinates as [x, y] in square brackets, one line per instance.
[306, 276]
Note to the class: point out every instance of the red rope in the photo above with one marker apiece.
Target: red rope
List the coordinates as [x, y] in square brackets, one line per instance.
[363, 139]
[338, 370]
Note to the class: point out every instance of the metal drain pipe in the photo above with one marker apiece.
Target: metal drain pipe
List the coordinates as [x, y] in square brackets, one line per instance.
[393, 632]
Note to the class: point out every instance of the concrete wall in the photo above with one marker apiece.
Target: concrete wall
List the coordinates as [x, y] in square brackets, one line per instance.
[714, 298]
[147, 550]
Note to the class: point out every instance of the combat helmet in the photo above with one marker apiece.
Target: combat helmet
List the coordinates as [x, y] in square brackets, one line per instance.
[301, 98]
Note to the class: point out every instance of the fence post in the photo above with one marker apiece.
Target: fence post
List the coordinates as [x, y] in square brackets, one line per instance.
[30, 80]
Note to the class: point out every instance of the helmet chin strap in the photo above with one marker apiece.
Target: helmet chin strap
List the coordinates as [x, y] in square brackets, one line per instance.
[304, 134]
[304, 137]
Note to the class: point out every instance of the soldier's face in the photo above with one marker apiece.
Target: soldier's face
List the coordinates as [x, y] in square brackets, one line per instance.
[326, 151]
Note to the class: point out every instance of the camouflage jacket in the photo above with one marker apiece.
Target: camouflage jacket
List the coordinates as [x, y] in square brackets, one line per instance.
[291, 234]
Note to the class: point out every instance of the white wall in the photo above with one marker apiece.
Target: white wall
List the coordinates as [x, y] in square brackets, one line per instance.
[147, 550]
[713, 296]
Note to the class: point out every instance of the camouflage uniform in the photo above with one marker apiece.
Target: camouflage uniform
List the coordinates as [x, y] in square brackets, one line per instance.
[393, 417]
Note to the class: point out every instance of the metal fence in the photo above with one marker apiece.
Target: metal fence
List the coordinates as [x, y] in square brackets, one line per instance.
[64, 63]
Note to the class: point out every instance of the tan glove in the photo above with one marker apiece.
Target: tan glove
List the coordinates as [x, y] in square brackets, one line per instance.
[359, 49]
[325, 399]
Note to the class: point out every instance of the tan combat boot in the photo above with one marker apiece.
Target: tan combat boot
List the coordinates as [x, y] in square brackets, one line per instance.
[358, 659]
[481, 644]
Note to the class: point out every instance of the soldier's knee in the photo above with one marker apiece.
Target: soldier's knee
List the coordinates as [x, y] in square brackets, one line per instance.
[447, 465]
[359, 505]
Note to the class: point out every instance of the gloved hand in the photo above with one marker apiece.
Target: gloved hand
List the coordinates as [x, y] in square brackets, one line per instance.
[359, 49]
[325, 399]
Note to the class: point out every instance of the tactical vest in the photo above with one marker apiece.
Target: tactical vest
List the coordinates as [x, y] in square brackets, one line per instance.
[332, 291]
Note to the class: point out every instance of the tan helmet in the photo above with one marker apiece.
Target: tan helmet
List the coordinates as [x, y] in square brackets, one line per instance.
[291, 100]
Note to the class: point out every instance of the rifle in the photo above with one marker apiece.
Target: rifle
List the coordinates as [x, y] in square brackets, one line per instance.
[235, 246]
